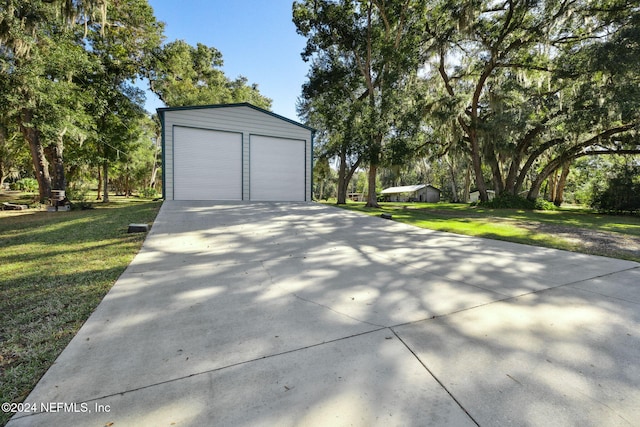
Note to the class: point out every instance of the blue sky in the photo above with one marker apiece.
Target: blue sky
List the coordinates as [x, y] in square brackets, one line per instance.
[256, 37]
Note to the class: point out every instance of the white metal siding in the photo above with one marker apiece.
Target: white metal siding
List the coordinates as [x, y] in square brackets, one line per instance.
[277, 169]
[242, 119]
[207, 164]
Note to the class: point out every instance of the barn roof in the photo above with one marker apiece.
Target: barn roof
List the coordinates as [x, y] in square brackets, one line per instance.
[404, 189]
[161, 111]
[407, 189]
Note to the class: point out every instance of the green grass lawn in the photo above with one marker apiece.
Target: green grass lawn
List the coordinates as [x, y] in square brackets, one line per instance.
[55, 268]
[512, 225]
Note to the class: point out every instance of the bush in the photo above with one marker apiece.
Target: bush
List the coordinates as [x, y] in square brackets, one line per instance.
[621, 194]
[29, 185]
[544, 205]
[509, 201]
[77, 193]
[149, 193]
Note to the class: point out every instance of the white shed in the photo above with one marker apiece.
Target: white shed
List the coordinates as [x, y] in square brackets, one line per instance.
[234, 152]
[413, 193]
[474, 196]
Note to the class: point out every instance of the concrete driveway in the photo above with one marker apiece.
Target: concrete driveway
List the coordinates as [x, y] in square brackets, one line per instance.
[267, 314]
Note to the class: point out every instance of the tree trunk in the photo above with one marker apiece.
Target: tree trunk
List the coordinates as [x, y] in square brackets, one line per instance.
[494, 163]
[105, 180]
[477, 165]
[344, 177]
[4, 136]
[372, 197]
[516, 174]
[543, 176]
[98, 196]
[510, 182]
[128, 191]
[154, 170]
[40, 163]
[562, 181]
[552, 182]
[454, 187]
[534, 191]
[342, 182]
[54, 156]
[467, 184]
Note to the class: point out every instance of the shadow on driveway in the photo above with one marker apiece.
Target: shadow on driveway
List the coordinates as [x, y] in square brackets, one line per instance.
[303, 314]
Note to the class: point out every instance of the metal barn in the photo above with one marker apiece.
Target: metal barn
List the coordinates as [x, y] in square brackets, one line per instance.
[234, 152]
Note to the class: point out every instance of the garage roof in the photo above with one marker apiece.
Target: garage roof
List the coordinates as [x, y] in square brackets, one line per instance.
[161, 112]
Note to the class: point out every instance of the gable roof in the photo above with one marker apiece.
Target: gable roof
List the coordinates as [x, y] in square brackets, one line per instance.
[161, 111]
[407, 189]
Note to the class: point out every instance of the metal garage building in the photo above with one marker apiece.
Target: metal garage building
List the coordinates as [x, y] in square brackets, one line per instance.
[234, 152]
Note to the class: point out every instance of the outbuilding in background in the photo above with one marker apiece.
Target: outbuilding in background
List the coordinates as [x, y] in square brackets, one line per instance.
[234, 152]
[474, 196]
[412, 193]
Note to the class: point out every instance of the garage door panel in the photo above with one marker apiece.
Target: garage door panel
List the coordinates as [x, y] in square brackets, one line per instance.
[207, 164]
[277, 171]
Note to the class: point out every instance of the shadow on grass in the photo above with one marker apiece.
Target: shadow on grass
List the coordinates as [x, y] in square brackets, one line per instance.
[55, 268]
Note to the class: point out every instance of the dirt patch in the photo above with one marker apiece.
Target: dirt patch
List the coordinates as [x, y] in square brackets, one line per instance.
[596, 242]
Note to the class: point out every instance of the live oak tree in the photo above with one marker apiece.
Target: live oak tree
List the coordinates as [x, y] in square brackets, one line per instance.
[603, 101]
[67, 73]
[63, 59]
[380, 43]
[533, 85]
[39, 63]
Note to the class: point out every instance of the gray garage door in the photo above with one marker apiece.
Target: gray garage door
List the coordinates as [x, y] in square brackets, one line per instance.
[277, 168]
[207, 164]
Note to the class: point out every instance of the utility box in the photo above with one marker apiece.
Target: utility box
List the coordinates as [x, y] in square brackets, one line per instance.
[138, 228]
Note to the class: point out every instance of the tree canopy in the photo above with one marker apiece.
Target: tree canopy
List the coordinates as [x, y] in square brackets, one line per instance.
[367, 53]
[67, 74]
[185, 75]
[515, 90]
[508, 95]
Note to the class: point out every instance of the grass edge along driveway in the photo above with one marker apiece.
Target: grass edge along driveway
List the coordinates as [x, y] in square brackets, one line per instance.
[576, 230]
[55, 268]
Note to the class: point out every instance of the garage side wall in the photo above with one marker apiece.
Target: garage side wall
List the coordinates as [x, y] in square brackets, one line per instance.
[237, 119]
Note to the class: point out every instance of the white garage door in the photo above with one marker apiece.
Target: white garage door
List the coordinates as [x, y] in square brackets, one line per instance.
[277, 169]
[207, 164]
